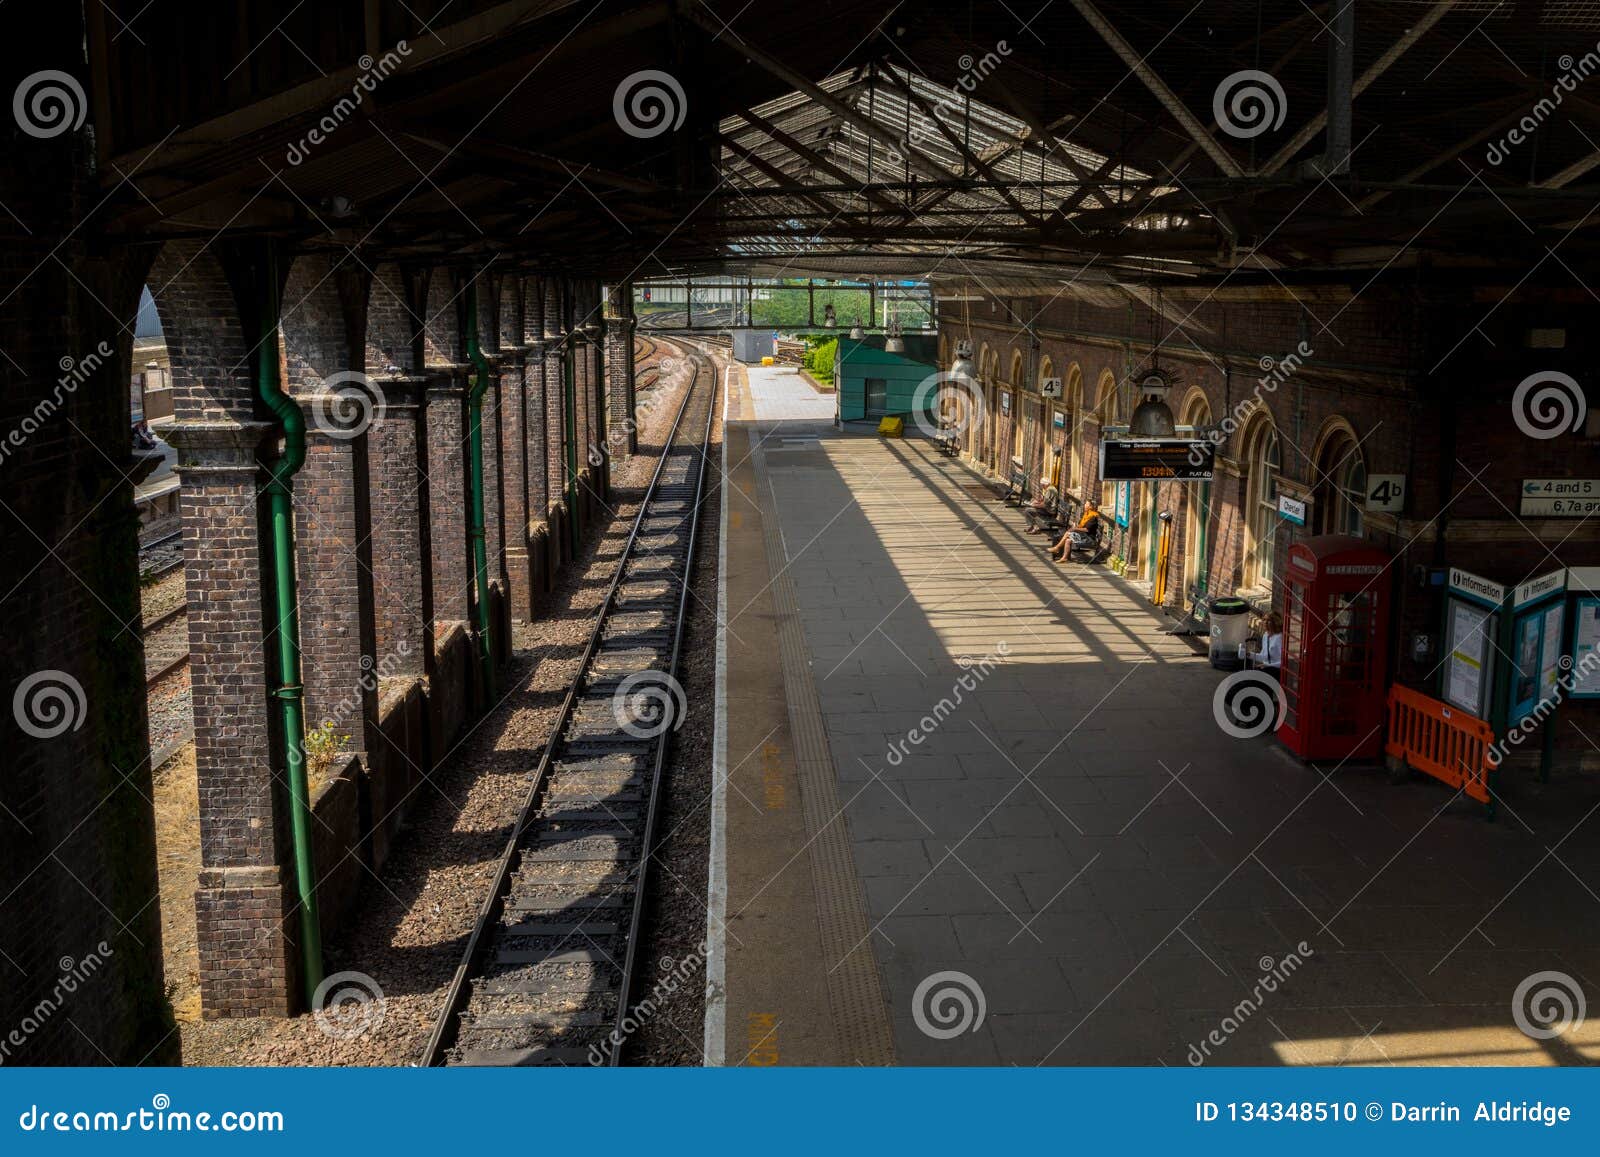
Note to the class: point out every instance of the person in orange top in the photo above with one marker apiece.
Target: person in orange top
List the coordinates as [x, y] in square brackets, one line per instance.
[1086, 526]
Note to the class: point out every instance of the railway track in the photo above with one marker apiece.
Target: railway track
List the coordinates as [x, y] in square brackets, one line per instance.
[548, 972]
[166, 644]
[160, 555]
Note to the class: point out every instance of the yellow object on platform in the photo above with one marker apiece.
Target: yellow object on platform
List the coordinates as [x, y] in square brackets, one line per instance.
[767, 361]
[892, 427]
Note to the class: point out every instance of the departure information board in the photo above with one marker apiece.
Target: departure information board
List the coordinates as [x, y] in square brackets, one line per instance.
[1157, 459]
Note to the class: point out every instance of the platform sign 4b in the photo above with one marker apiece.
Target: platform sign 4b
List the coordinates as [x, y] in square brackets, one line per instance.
[1560, 497]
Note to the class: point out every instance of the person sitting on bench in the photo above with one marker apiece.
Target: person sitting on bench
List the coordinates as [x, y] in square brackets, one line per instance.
[1088, 528]
[1042, 509]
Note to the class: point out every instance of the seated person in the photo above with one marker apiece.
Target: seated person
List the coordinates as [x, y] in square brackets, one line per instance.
[1085, 532]
[1042, 509]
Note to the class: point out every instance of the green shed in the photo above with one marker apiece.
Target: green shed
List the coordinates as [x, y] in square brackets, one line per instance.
[873, 383]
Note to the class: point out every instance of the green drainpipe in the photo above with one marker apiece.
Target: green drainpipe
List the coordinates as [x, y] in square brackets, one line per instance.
[290, 692]
[480, 551]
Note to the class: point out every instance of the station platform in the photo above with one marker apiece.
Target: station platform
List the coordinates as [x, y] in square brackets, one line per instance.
[976, 809]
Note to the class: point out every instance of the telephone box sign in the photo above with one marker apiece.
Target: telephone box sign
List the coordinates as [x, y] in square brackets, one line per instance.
[1536, 589]
[1477, 587]
[1157, 459]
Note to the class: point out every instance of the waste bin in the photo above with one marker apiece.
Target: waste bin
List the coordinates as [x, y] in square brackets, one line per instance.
[1230, 627]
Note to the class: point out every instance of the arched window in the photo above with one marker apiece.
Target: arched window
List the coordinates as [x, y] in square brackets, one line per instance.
[1341, 484]
[1261, 503]
[1109, 413]
[1072, 403]
[1016, 370]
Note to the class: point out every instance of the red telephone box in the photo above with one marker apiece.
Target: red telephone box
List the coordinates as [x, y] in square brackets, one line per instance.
[1335, 648]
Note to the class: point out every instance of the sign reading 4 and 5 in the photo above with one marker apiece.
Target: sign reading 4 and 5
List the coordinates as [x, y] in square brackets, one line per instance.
[1560, 497]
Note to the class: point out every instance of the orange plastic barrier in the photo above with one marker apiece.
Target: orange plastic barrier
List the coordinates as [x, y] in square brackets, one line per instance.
[1441, 740]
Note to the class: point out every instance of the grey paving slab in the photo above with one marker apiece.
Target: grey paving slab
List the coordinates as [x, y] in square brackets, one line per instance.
[1044, 791]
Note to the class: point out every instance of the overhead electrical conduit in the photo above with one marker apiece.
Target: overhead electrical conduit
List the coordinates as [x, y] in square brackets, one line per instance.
[480, 552]
[290, 692]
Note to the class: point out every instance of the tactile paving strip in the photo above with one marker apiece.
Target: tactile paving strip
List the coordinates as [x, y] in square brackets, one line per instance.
[855, 991]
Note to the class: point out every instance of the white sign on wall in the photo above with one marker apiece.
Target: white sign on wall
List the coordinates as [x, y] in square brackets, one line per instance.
[1292, 509]
[1050, 387]
[1386, 493]
[1560, 497]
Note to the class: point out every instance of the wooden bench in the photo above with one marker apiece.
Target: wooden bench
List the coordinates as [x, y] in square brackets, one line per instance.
[1016, 492]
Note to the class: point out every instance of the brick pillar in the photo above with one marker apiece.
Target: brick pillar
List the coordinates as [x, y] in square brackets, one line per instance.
[401, 542]
[554, 421]
[518, 478]
[333, 537]
[242, 908]
[493, 474]
[622, 434]
[447, 497]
